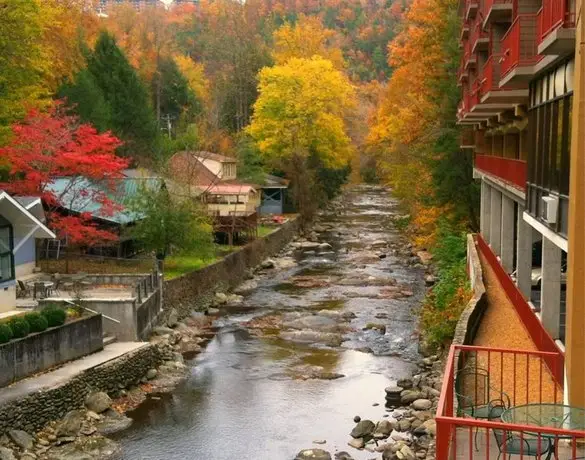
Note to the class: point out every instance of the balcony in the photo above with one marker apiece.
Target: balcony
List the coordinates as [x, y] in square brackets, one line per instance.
[556, 27]
[479, 39]
[521, 390]
[465, 27]
[519, 46]
[497, 11]
[471, 7]
[469, 59]
[510, 171]
[494, 95]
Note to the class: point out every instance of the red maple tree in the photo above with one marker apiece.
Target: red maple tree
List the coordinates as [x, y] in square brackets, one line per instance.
[49, 145]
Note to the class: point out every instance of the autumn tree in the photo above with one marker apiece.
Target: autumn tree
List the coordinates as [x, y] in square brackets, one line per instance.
[299, 120]
[305, 39]
[49, 145]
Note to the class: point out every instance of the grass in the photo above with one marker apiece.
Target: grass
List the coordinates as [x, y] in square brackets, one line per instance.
[264, 230]
[178, 265]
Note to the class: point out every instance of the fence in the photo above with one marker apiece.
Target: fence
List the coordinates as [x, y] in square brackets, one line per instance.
[520, 392]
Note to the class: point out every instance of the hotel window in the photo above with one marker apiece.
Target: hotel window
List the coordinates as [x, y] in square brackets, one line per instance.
[6, 256]
[551, 104]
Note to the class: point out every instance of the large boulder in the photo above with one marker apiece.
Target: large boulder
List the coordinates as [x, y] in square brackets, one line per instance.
[383, 429]
[21, 438]
[98, 402]
[71, 424]
[173, 318]
[112, 423]
[86, 448]
[268, 263]
[343, 456]
[422, 404]
[313, 454]
[409, 396]
[363, 429]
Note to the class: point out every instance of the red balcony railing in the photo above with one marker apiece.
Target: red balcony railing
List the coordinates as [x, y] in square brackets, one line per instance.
[475, 94]
[504, 379]
[490, 74]
[507, 169]
[519, 44]
[476, 33]
[553, 14]
[488, 4]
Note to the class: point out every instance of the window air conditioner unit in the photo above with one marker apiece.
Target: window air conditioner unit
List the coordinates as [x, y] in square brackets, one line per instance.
[550, 206]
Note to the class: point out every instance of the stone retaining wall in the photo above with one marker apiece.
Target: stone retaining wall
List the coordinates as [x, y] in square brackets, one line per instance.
[195, 290]
[43, 350]
[32, 412]
[470, 319]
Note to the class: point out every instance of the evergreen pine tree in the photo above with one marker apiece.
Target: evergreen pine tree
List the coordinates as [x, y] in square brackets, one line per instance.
[87, 100]
[132, 118]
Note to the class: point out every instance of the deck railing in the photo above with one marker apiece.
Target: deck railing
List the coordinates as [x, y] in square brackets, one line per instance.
[509, 170]
[519, 44]
[540, 337]
[513, 378]
[491, 73]
[476, 32]
[488, 4]
[554, 14]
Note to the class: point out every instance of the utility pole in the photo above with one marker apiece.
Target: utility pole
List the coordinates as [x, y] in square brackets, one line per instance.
[575, 321]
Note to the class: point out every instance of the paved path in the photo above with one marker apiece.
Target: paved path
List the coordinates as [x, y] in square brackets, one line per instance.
[66, 372]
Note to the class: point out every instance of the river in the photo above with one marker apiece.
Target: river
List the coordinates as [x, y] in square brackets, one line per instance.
[244, 398]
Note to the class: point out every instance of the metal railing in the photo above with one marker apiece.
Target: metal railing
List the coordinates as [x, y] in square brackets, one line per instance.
[509, 170]
[476, 33]
[519, 44]
[505, 379]
[554, 14]
[540, 337]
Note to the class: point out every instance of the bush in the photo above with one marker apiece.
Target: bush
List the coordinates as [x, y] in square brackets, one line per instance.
[5, 333]
[20, 327]
[36, 321]
[55, 316]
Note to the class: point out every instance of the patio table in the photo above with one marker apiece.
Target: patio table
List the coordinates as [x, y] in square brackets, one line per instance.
[47, 285]
[549, 416]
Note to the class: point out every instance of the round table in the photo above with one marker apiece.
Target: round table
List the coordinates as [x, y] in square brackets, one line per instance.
[47, 285]
[547, 415]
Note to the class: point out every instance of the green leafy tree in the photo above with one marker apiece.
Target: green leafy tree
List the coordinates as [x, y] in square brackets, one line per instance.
[132, 118]
[170, 223]
[250, 165]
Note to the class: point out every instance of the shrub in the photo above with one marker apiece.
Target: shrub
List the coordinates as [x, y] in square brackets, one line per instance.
[20, 327]
[55, 316]
[36, 321]
[5, 333]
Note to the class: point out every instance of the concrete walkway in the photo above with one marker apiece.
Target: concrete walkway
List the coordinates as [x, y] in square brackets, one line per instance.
[66, 372]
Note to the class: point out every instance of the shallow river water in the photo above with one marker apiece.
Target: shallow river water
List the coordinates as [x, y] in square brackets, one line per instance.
[243, 399]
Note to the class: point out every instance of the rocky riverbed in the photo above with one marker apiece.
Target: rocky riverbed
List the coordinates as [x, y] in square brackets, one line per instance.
[320, 335]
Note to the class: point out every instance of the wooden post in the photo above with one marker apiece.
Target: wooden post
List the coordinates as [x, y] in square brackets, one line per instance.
[575, 321]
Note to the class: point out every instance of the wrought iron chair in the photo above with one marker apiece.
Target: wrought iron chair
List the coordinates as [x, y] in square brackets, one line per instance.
[481, 401]
[512, 444]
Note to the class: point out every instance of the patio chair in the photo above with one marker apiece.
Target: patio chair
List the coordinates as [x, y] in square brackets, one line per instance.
[40, 289]
[512, 444]
[23, 290]
[484, 401]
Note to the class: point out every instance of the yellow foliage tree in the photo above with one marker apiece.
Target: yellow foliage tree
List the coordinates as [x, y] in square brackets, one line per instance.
[194, 72]
[300, 112]
[305, 39]
[299, 122]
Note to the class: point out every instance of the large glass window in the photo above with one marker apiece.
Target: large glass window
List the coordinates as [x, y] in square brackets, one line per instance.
[550, 128]
[6, 256]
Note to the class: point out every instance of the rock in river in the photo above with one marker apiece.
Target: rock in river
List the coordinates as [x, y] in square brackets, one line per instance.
[422, 404]
[98, 402]
[71, 423]
[89, 448]
[21, 438]
[363, 429]
[6, 454]
[313, 454]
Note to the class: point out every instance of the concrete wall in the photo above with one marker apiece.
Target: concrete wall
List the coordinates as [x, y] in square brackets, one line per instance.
[7, 296]
[195, 290]
[37, 352]
[32, 412]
